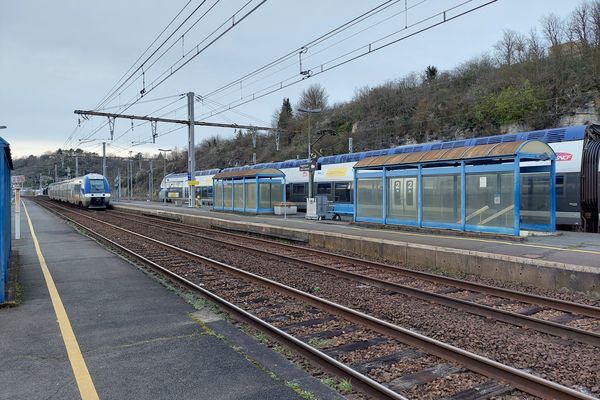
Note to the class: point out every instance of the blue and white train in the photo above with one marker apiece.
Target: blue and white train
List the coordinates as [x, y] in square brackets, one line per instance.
[90, 191]
[577, 173]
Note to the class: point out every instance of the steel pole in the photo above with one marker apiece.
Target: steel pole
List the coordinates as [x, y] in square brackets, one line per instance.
[103, 159]
[191, 147]
[76, 165]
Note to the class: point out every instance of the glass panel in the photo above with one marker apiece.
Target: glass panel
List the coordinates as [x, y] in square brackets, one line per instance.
[324, 188]
[298, 188]
[276, 192]
[441, 199]
[218, 195]
[250, 196]
[265, 195]
[227, 190]
[402, 198]
[238, 195]
[96, 186]
[343, 192]
[535, 198]
[490, 199]
[369, 201]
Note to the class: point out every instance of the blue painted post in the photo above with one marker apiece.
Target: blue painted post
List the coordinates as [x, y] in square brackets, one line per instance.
[463, 196]
[284, 199]
[213, 193]
[385, 191]
[244, 189]
[232, 195]
[420, 197]
[517, 195]
[553, 195]
[355, 201]
[257, 194]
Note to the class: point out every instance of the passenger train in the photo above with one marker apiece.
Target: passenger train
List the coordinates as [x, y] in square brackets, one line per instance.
[577, 173]
[90, 191]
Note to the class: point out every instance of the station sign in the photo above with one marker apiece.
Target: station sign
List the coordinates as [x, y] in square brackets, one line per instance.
[18, 179]
[193, 183]
[308, 166]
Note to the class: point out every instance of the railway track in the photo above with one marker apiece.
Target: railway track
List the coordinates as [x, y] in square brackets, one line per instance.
[323, 314]
[442, 291]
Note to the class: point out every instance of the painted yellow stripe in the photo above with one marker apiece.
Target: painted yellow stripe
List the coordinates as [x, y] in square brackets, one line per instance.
[87, 390]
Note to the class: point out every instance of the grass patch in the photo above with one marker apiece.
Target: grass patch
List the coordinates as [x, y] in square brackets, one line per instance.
[320, 343]
[345, 386]
[302, 393]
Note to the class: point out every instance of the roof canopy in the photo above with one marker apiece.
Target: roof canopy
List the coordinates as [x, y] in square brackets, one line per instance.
[527, 150]
[6, 148]
[249, 173]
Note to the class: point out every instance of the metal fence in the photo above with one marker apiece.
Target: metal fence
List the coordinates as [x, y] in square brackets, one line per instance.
[5, 232]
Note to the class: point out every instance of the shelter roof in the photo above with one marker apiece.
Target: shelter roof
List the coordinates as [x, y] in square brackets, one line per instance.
[249, 173]
[527, 149]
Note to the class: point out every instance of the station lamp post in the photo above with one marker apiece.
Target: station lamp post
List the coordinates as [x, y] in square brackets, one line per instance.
[165, 151]
[311, 157]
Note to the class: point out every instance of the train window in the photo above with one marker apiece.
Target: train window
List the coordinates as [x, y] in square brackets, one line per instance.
[324, 188]
[96, 185]
[560, 185]
[298, 188]
[342, 192]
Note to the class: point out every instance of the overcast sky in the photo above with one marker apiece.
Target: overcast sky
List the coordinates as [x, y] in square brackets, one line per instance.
[58, 56]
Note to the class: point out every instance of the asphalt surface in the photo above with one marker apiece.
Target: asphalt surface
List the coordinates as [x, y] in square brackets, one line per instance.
[566, 247]
[137, 338]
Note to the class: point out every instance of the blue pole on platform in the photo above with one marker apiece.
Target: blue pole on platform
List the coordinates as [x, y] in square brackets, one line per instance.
[463, 196]
[257, 194]
[553, 195]
[355, 201]
[517, 195]
[385, 194]
[420, 197]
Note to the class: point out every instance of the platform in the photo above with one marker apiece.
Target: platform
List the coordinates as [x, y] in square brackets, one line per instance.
[137, 339]
[570, 259]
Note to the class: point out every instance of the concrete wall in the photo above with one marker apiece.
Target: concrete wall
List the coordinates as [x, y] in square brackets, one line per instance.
[540, 273]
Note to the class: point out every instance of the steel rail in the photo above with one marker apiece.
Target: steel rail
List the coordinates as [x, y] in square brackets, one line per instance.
[557, 304]
[482, 310]
[522, 380]
[315, 356]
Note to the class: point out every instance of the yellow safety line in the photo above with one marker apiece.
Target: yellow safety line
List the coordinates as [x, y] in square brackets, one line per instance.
[87, 390]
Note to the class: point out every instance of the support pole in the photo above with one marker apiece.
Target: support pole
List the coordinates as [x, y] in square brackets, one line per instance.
[151, 182]
[76, 165]
[55, 173]
[191, 147]
[17, 213]
[103, 159]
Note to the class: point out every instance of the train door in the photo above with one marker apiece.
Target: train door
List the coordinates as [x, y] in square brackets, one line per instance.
[402, 197]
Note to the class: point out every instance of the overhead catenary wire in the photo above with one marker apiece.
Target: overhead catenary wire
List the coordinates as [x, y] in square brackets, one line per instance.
[355, 54]
[234, 22]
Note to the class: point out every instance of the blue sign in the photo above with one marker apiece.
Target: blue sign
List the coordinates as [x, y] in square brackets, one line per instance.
[189, 176]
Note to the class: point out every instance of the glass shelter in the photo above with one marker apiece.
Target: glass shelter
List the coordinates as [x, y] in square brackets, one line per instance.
[502, 188]
[254, 191]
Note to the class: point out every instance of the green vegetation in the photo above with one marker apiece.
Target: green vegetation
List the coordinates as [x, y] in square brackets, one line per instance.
[345, 386]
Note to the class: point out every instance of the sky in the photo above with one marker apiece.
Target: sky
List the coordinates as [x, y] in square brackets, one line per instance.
[62, 55]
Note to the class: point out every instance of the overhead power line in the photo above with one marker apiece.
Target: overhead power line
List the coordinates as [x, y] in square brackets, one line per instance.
[420, 26]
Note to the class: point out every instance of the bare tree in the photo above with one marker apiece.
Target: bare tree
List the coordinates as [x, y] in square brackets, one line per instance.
[313, 97]
[579, 27]
[535, 49]
[511, 48]
[552, 29]
[595, 22]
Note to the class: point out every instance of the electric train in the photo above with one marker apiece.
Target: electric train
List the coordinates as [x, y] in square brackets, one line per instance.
[90, 191]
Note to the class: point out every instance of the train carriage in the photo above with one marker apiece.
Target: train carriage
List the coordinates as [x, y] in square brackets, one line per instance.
[90, 191]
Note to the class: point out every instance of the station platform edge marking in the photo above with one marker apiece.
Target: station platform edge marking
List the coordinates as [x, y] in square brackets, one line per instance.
[86, 387]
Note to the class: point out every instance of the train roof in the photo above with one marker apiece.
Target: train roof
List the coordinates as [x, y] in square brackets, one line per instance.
[274, 165]
[554, 135]
[89, 176]
[197, 173]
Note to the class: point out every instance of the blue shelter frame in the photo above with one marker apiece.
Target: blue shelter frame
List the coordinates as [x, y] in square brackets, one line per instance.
[5, 223]
[253, 191]
[499, 188]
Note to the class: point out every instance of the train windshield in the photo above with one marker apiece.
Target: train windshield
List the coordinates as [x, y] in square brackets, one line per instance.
[96, 186]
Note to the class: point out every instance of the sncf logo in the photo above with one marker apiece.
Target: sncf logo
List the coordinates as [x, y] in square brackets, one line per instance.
[560, 156]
